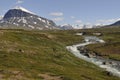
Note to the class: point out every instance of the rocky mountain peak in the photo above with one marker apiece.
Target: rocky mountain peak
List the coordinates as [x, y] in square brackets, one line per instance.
[24, 19]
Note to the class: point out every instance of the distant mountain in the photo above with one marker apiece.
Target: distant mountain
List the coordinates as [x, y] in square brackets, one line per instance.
[66, 27]
[20, 17]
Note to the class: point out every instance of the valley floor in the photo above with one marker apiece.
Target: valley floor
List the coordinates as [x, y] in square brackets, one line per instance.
[42, 55]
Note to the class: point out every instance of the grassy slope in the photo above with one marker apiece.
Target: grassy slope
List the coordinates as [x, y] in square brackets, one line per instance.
[24, 55]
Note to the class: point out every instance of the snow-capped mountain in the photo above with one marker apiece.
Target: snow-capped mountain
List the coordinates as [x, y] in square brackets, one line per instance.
[20, 17]
[66, 26]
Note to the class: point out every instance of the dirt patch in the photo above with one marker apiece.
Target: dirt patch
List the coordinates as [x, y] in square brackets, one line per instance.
[47, 76]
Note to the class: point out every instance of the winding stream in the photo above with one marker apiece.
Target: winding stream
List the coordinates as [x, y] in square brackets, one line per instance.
[113, 67]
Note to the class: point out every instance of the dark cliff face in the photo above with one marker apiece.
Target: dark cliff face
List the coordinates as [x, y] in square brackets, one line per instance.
[16, 13]
[24, 19]
[116, 23]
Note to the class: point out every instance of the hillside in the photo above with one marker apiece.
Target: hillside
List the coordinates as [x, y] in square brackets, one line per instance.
[42, 55]
[113, 25]
[116, 24]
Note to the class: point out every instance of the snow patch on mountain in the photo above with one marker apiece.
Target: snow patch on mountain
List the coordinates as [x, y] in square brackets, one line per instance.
[23, 9]
[46, 26]
[31, 26]
[39, 19]
[24, 20]
[43, 21]
[35, 22]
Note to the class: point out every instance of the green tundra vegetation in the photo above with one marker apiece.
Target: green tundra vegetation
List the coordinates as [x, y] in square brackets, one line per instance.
[42, 55]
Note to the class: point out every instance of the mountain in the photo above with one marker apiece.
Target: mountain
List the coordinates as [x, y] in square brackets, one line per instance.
[66, 27]
[20, 17]
[116, 24]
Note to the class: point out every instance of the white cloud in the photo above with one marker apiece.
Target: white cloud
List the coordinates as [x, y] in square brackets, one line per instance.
[19, 1]
[88, 23]
[58, 19]
[72, 17]
[78, 21]
[56, 14]
[98, 24]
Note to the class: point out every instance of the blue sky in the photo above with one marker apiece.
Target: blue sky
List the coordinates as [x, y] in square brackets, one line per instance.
[70, 11]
